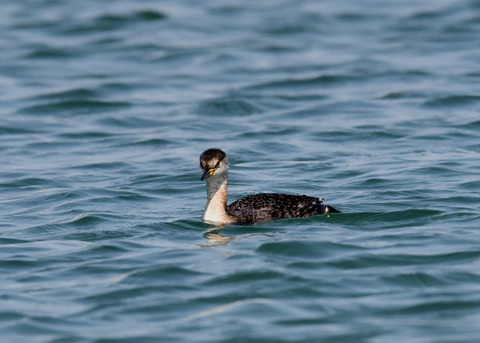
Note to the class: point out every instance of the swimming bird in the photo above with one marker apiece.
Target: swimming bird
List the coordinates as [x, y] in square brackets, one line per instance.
[252, 209]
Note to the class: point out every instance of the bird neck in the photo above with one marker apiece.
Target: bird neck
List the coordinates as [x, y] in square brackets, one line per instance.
[217, 194]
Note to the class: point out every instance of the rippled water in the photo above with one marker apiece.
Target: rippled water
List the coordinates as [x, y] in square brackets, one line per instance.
[106, 106]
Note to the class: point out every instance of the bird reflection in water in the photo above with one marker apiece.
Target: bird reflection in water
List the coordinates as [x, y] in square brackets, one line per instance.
[215, 239]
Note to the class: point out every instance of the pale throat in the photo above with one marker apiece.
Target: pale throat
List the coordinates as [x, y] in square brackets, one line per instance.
[217, 194]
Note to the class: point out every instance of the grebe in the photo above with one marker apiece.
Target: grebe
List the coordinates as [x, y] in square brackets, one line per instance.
[252, 209]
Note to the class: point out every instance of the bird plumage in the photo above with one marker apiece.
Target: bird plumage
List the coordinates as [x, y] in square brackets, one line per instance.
[252, 209]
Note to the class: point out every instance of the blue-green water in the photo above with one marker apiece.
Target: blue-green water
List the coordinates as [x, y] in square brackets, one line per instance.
[105, 107]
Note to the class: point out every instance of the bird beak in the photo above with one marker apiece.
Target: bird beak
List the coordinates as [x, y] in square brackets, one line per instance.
[207, 173]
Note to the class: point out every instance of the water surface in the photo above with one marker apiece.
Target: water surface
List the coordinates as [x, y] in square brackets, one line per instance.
[105, 108]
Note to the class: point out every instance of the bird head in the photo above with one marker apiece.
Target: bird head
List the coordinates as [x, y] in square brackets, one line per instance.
[213, 162]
